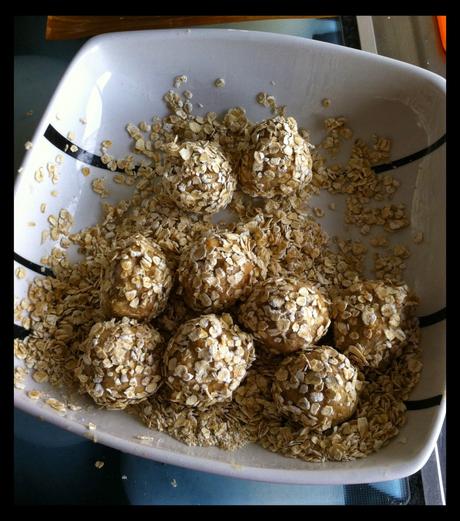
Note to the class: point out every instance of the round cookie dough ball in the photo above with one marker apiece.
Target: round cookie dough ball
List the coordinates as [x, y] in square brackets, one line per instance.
[120, 363]
[277, 161]
[137, 280]
[285, 314]
[206, 360]
[198, 177]
[217, 270]
[316, 387]
[369, 319]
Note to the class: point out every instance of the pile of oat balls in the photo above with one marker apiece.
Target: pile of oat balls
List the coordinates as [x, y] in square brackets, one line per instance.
[124, 360]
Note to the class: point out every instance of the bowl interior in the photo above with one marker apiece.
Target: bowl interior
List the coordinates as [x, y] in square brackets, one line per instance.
[120, 78]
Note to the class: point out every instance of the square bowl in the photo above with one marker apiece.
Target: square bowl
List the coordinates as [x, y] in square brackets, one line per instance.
[121, 77]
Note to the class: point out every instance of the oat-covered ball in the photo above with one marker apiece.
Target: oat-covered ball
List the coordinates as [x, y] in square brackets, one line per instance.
[369, 319]
[217, 270]
[197, 176]
[137, 280]
[120, 363]
[285, 314]
[277, 160]
[316, 387]
[206, 360]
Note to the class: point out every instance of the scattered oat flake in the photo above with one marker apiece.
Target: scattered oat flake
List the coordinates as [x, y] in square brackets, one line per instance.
[331, 206]
[98, 186]
[200, 105]
[56, 404]
[74, 148]
[261, 98]
[144, 438]
[179, 80]
[417, 237]
[70, 136]
[20, 273]
[59, 159]
[174, 483]
[99, 464]
[54, 193]
[53, 172]
[144, 126]
[31, 224]
[25, 322]
[20, 374]
[119, 179]
[43, 208]
[85, 171]
[34, 394]
[28, 145]
[219, 83]
[29, 113]
[319, 212]
[40, 376]
[124, 476]
[45, 236]
[91, 426]
[83, 121]
[20, 169]
[273, 83]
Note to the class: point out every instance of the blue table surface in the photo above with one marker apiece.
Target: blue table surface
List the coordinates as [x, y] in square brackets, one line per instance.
[53, 466]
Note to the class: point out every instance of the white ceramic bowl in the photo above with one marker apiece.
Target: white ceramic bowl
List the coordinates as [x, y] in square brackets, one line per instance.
[121, 77]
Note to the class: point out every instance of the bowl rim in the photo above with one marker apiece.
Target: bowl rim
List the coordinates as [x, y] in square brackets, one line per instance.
[319, 476]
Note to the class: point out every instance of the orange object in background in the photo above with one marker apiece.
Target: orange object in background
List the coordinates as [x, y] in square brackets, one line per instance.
[442, 30]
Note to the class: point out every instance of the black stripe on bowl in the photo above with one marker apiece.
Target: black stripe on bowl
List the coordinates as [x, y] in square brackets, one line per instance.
[432, 318]
[61, 142]
[42, 270]
[20, 332]
[409, 159]
[426, 403]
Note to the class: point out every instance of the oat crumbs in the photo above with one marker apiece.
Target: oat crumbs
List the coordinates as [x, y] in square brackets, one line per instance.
[221, 332]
